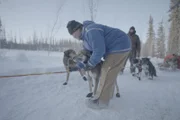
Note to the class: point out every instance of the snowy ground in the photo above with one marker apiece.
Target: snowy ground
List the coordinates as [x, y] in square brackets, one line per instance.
[45, 98]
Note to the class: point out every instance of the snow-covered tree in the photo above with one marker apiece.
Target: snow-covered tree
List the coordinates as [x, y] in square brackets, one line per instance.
[150, 43]
[174, 35]
[161, 41]
[1, 31]
[175, 5]
[144, 50]
[3, 41]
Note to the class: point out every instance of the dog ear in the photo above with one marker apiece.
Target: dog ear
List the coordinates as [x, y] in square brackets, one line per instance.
[66, 52]
[71, 51]
[74, 52]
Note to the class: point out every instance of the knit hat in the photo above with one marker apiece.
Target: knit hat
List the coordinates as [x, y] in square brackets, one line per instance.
[73, 25]
[133, 28]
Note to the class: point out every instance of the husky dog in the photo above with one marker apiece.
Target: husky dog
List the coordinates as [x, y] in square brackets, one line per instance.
[136, 64]
[69, 64]
[148, 68]
[70, 58]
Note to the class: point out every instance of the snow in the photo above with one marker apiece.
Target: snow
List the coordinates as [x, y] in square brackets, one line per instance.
[45, 98]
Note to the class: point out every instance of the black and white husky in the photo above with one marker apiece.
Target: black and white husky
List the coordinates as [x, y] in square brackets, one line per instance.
[136, 68]
[148, 68]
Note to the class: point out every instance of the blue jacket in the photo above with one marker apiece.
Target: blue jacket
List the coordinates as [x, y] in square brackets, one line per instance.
[103, 40]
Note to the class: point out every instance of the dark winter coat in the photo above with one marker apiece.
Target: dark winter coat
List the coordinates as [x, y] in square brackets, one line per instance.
[135, 44]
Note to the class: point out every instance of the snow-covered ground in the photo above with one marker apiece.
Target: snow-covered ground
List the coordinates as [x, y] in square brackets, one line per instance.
[45, 98]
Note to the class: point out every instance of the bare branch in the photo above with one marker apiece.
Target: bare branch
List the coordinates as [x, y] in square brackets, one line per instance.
[93, 6]
[57, 17]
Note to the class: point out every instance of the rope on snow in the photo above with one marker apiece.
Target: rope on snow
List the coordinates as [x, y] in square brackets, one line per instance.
[22, 75]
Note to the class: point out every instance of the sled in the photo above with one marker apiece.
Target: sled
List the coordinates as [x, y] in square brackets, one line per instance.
[171, 63]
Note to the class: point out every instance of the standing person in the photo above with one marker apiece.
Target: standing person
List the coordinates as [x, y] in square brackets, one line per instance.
[135, 48]
[105, 42]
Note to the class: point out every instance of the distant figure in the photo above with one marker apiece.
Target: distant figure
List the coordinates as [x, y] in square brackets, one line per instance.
[135, 48]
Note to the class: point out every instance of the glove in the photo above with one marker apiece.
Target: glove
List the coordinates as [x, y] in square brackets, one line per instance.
[89, 66]
[86, 66]
[80, 65]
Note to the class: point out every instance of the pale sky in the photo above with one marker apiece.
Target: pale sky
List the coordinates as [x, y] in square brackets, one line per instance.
[23, 17]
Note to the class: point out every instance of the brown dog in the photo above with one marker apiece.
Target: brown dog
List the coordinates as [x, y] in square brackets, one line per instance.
[69, 63]
[70, 58]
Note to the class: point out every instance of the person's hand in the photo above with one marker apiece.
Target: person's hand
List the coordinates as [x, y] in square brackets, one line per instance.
[80, 65]
[138, 55]
[86, 66]
[89, 66]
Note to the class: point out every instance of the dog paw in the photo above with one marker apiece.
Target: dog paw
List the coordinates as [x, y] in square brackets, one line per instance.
[89, 95]
[118, 95]
[84, 78]
[65, 83]
[133, 74]
[150, 78]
